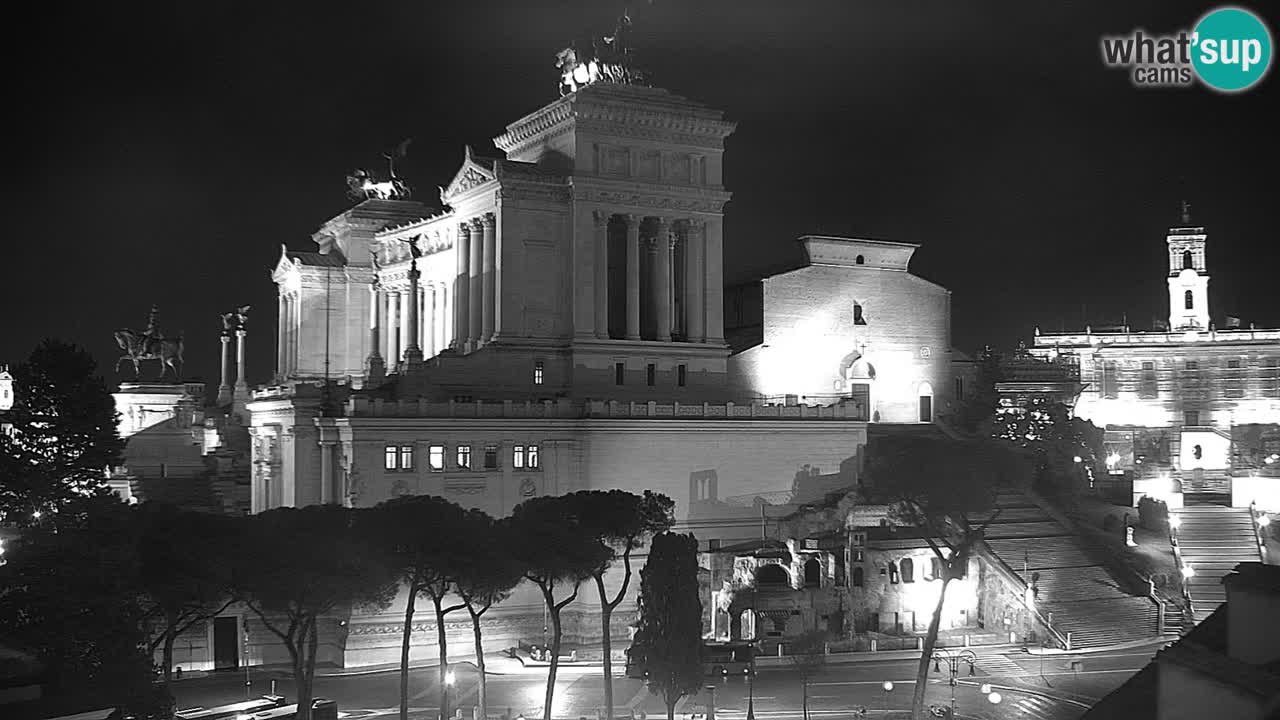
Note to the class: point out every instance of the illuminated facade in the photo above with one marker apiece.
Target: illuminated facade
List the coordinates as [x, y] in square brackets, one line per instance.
[1172, 400]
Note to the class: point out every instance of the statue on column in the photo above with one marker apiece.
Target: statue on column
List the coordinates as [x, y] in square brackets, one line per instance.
[242, 316]
[150, 344]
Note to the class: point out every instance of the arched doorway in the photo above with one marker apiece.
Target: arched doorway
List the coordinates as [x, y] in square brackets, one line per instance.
[813, 573]
[772, 576]
[925, 394]
[859, 375]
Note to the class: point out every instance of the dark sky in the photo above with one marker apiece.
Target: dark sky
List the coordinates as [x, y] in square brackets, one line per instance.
[164, 151]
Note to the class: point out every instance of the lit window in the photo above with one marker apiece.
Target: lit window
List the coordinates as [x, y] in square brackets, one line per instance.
[391, 458]
[537, 372]
[435, 458]
[464, 457]
[908, 570]
[1188, 300]
[935, 568]
[680, 374]
[490, 457]
[649, 373]
[517, 457]
[857, 315]
[531, 457]
[406, 457]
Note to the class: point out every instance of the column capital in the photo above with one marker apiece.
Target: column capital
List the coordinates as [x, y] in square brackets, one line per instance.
[697, 223]
[600, 218]
[464, 228]
[631, 220]
[488, 220]
[241, 332]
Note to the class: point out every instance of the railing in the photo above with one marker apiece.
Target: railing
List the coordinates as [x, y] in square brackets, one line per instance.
[1178, 563]
[1257, 530]
[1011, 576]
[1049, 340]
[564, 408]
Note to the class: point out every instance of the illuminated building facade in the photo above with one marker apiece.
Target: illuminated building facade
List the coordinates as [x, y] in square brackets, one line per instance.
[1180, 402]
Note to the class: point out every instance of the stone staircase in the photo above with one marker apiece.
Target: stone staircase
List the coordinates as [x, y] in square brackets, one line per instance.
[1076, 592]
[1212, 540]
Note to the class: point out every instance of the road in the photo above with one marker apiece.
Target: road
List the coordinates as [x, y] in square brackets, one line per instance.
[1039, 688]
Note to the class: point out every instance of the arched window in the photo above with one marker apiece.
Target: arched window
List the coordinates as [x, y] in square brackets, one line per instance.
[1187, 262]
[857, 315]
[771, 575]
[908, 570]
[935, 567]
[858, 577]
[859, 260]
[1188, 300]
[812, 573]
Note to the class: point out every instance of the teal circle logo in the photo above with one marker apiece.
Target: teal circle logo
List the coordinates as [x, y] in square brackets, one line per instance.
[1231, 49]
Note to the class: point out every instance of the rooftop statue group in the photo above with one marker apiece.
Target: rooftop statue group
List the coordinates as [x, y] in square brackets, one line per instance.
[609, 60]
[362, 185]
[151, 344]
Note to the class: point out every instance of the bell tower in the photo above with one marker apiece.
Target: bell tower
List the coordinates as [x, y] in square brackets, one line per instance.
[1188, 275]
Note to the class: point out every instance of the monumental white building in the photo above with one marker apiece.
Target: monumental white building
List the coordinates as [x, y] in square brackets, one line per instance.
[1192, 408]
[559, 325]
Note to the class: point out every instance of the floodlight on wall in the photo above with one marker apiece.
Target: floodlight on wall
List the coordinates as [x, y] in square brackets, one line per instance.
[1263, 520]
[1188, 572]
[985, 689]
[1175, 521]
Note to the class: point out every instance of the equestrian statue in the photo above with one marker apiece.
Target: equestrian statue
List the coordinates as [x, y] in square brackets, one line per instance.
[150, 344]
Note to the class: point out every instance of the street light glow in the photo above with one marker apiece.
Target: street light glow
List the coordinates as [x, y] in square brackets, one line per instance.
[1263, 521]
[1187, 572]
[1175, 521]
[449, 677]
[995, 698]
[888, 686]
[985, 689]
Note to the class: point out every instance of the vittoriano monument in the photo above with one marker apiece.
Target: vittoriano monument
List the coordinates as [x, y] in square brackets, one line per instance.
[609, 60]
[150, 344]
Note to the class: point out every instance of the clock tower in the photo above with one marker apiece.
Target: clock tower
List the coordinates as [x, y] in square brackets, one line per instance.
[1188, 275]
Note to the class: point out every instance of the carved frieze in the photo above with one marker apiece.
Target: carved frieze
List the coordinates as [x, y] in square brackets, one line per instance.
[648, 201]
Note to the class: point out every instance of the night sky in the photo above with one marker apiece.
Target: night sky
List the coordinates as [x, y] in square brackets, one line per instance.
[166, 150]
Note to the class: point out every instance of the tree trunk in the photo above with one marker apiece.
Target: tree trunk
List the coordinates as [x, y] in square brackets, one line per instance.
[671, 709]
[442, 642]
[555, 654]
[310, 670]
[606, 646]
[804, 697]
[475, 629]
[926, 654]
[404, 651]
[303, 688]
[167, 656]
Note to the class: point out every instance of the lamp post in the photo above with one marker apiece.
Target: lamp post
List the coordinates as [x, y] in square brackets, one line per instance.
[953, 660]
[711, 706]
[449, 679]
[887, 686]
[751, 692]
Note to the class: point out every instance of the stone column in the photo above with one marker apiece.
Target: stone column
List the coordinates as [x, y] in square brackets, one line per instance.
[291, 359]
[713, 290]
[429, 320]
[462, 288]
[490, 276]
[224, 390]
[633, 276]
[693, 275]
[662, 280]
[326, 472]
[241, 383]
[412, 350]
[475, 303]
[377, 369]
[403, 308]
[393, 324]
[282, 342]
[601, 220]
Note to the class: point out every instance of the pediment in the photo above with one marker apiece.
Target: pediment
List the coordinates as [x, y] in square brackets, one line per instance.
[284, 266]
[472, 174]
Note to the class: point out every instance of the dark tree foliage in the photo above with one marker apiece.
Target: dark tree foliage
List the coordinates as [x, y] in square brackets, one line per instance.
[622, 521]
[490, 572]
[1056, 438]
[64, 435]
[977, 410]
[554, 551]
[72, 596]
[298, 567]
[946, 488]
[185, 572]
[668, 641]
[421, 536]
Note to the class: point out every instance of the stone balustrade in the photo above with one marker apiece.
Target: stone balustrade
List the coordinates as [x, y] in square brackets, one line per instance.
[1049, 340]
[566, 409]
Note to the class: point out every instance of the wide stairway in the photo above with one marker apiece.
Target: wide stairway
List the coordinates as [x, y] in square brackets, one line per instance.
[1077, 593]
[1212, 540]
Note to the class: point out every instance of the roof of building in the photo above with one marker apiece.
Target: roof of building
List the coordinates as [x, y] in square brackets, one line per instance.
[1254, 576]
[314, 259]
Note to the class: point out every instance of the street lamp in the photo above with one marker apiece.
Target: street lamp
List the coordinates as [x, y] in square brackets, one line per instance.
[751, 692]
[711, 706]
[888, 688]
[953, 660]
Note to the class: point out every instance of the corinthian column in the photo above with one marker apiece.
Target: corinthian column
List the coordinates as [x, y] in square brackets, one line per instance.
[601, 220]
[475, 318]
[282, 342]
[412, 351]
[224, 390]
[462, 288]
[429, 320]
[713, 291]
[662, 280]
[393, 323]
[490, 276]
[377, 369]
[404, 308]
[241, 383]
[633, 276]
[694, 250]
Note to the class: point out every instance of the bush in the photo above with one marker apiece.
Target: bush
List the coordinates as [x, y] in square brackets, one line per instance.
[1154, 514]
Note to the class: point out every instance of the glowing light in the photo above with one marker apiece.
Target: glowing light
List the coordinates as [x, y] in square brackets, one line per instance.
[1077, 459]
[1188, 572]
[1175, 521]
[1113, 459]
[36, 514]
[888, 686]
[449, 678]
[1263, 521]
[985, 689]
[994, 698]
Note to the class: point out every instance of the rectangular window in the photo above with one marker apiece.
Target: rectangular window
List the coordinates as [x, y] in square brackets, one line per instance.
[680, 375]
[406, 457]
[1148, 389]
[490, 457]
[464, 457]
[391, 459]
[517, 457]
[1191, 418]
[619, 373]
[435, 458]
[1109, 388]
[1192, 365]
[1233, 364]
[649, 373]
[537, 372]
[1271, 377]
[531, 457]
[1234, 389]
[959, 388]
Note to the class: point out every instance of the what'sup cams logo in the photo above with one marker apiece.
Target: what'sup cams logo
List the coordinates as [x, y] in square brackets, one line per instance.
[1229, 51]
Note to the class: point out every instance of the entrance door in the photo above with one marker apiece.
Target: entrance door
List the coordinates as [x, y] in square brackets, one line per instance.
[860, 396]
[926, 408]
[226, 648]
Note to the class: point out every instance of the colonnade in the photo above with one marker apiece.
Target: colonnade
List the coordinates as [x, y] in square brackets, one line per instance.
[392, 322]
